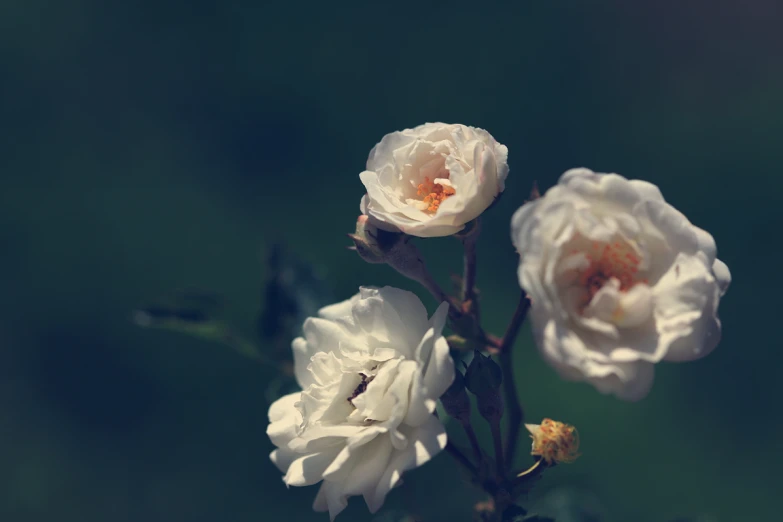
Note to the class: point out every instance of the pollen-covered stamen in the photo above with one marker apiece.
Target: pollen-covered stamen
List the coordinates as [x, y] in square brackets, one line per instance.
[554, 441]
[433, 193]
[616, 260]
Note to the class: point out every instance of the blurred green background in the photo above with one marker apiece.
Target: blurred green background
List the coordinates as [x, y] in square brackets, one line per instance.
[151, 146]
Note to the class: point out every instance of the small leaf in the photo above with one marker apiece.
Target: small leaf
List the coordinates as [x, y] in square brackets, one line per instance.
[455, 399]
[197, 315]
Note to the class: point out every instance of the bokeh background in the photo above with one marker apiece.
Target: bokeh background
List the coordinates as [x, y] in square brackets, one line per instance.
[153, 146]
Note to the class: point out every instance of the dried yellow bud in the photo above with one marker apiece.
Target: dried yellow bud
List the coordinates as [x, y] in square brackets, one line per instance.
[554, 441]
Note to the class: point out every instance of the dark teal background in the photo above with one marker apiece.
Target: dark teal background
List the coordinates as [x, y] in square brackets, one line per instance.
[150, 146]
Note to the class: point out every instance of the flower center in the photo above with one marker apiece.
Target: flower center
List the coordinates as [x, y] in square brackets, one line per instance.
[361, 388]
[433, 193]
[615, 260]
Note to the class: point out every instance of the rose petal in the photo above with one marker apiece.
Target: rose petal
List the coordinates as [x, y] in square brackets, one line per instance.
[426, 441]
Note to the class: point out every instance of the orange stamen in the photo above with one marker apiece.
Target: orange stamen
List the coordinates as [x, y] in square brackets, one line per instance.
[434, 194]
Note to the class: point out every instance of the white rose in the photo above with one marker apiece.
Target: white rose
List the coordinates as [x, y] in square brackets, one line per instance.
[431, 180]
[618, 280]
[371, 370]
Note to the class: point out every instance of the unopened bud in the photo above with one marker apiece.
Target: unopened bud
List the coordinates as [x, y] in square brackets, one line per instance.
[371, 243]
[483, 378]
[483, 375]
[455, 400]
[375, 245]
[490, 406]
[554, 441]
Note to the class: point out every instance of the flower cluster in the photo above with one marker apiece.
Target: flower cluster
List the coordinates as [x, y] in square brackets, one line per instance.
[613, 278]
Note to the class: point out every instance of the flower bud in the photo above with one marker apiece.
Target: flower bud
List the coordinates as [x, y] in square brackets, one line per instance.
[483, 378]
[483, 375]
[456, 401]
[554, 441]
[490, 406]
[376, 245]
[371, 243]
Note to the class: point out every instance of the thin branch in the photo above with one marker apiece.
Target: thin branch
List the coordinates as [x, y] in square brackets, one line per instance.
[524, 482]
[516, 322]
[516, 415]
[474, 442]
[460, 457]
[469, 271]
[498, 442]
[406, 259]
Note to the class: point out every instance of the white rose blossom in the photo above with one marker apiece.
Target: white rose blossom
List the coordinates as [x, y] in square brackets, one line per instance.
[431, 180]
[371, 369]
[618, 279]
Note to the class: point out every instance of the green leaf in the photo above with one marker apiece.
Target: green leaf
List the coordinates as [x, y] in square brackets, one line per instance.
[198, 315]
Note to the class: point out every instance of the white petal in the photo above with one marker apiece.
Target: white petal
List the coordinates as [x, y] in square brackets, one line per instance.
[427, 229]
[678, 232]
[436, 370]
[381, 154]
[440, 372]
[618, 190]
[410, 310]
[330, 498]
[722, 275]
[627, 381]
[646, 190]
[432, 331]
[686, 309]
[706, 244]
[578, 175]
[318, 438]
[322, 335]
[605, 302]
[302, 354]
[284, 420]
[486, 171]
[369, 467]
[309, 469]
[421, 404]
[339, 310]
[363, 204]
[635, 306]
[282, 458]
[426, 441]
